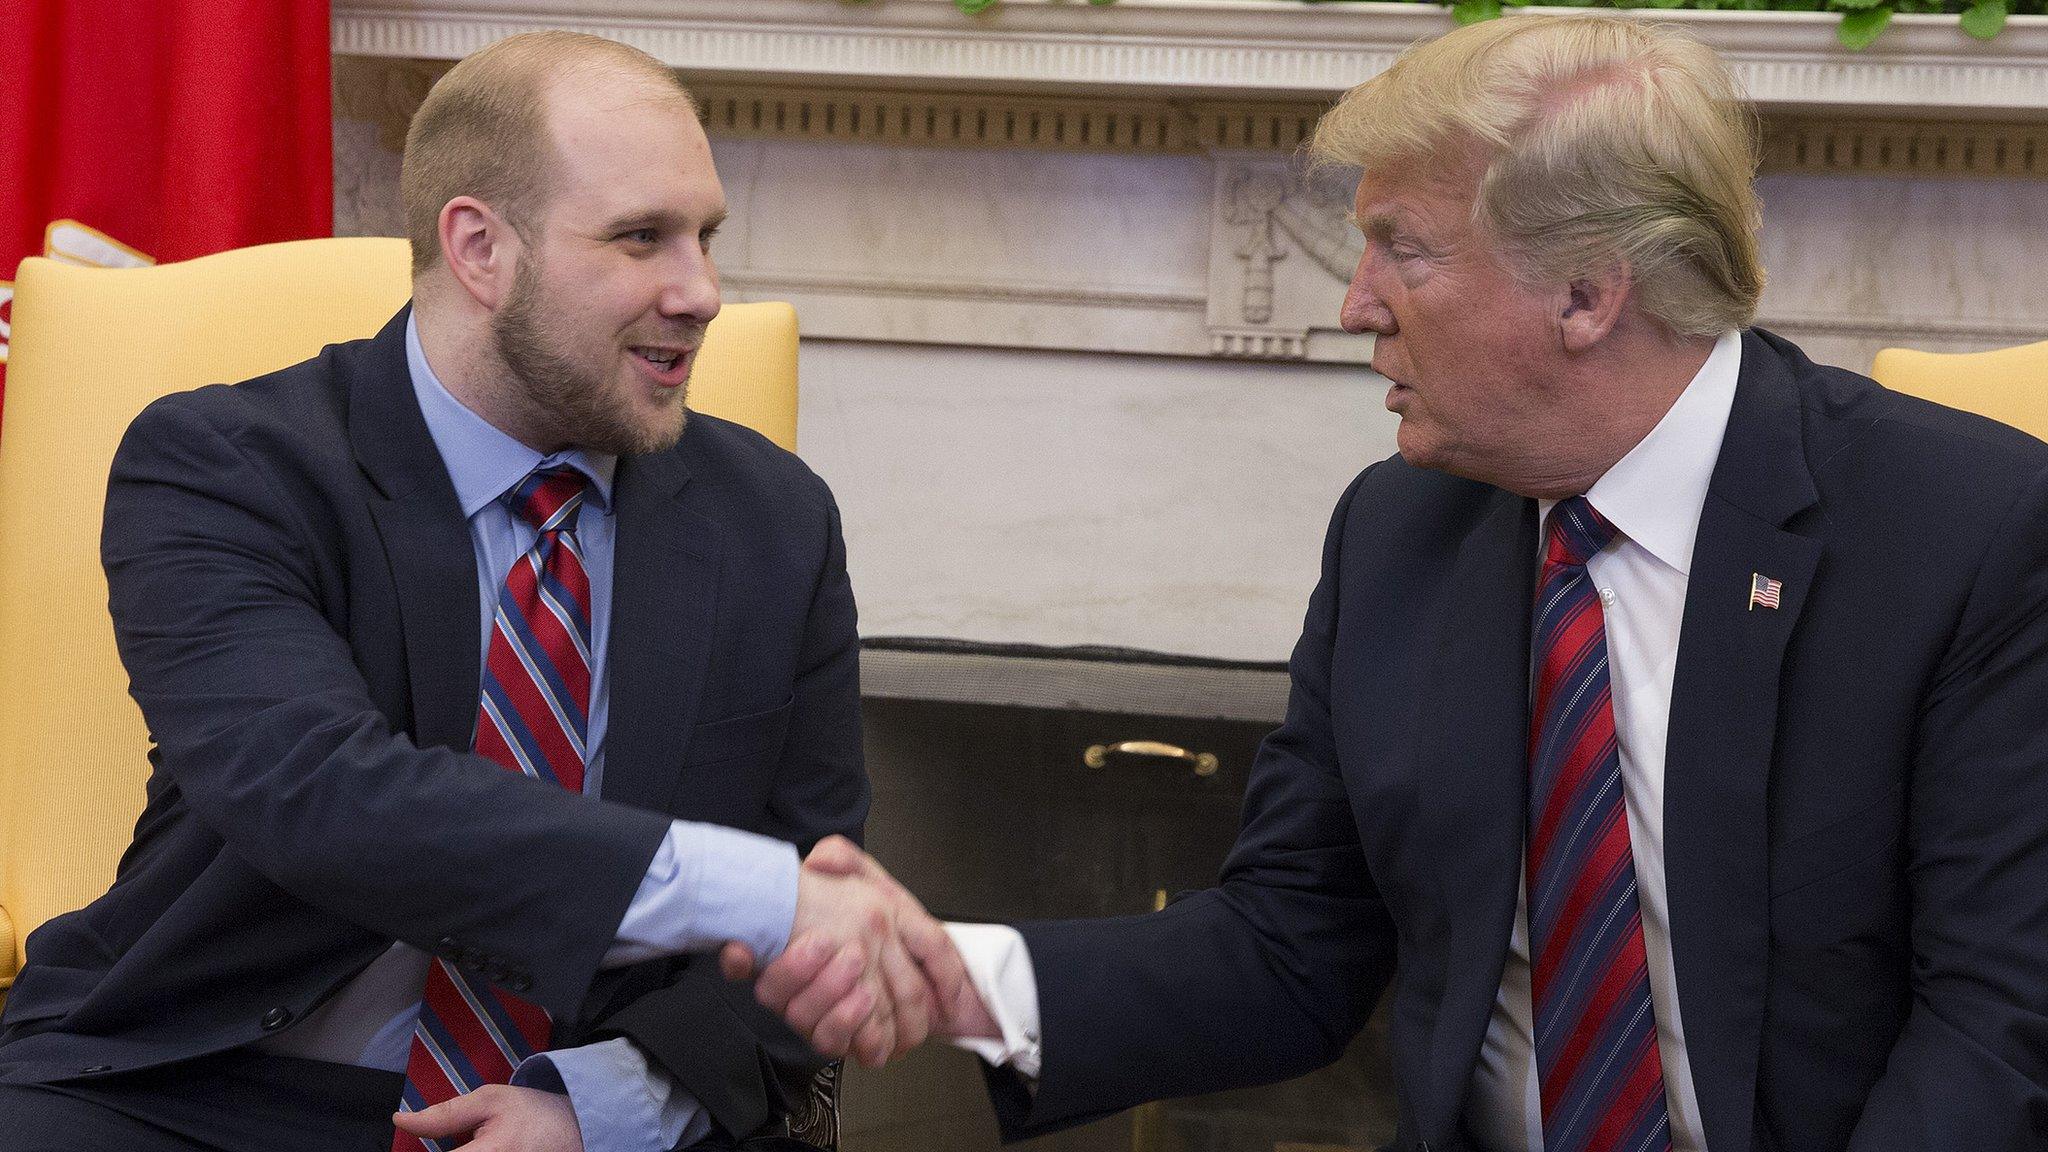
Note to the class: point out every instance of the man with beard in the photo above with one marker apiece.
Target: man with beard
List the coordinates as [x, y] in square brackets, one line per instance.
[489, 689]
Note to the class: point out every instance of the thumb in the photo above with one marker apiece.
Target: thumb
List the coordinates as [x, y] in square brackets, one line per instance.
[455, 1117]
[967, 1017]
[932, 947]
[736, 961]
[837, 856]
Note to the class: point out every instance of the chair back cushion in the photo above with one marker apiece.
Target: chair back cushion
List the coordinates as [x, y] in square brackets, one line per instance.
[2009, 385]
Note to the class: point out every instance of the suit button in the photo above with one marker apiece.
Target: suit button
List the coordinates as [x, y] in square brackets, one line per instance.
[450, 946]
[276, 1018]
[96, 1068]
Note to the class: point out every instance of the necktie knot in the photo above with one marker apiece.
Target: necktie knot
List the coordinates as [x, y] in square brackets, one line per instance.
[548, 498]
[1577, 533]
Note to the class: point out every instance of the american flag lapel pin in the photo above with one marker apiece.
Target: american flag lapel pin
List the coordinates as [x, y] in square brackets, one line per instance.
[1763, 591]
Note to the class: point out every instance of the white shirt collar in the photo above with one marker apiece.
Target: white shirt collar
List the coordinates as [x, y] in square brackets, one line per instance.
[1655, 493]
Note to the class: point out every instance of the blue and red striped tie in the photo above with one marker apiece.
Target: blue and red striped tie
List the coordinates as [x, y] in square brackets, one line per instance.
[533, 718]
[1596, 1035]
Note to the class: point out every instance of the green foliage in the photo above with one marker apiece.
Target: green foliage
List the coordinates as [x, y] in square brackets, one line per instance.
[1984, 18]
[1862, 20]
[1861, 25]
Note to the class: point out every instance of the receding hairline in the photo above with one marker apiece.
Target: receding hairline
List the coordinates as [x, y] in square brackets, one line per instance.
[609, 87]
[539, 59]
[653, 80]
[514, 85]
[607, 77]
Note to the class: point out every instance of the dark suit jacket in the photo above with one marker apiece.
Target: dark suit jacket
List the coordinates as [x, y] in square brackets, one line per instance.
[294, 591]
[1855, 814]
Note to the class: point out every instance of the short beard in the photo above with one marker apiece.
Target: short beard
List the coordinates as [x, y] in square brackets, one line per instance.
[574, 406]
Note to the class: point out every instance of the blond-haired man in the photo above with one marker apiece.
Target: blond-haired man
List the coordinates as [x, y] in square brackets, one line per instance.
[1667, 727]
[489, 689]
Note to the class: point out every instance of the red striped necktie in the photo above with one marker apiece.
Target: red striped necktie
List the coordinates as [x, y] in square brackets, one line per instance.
[533, 718]
[1596, 1035]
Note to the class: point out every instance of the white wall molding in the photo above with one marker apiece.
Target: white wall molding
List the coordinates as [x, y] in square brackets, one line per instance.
[1793, 141]
[387, 90]
[922, 309]
[1935, 333]
[970, 290]
[1050, 681]
[1923, 65]
[1837, 145]
[977, 119]
[1275, 251]
[958, 282]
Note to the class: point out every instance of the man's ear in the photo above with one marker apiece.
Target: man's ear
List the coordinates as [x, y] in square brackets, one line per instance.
[480, 248]
[1592, 306]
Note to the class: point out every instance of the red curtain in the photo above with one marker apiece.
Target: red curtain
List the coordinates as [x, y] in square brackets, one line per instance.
[147, 131]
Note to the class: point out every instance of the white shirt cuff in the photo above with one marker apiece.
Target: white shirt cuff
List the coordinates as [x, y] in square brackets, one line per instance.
[1000, 966]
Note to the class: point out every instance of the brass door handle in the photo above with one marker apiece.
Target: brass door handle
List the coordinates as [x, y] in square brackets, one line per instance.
[1097, 755]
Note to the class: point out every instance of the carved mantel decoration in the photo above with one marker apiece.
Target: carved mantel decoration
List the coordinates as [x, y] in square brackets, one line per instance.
[967, 210]
[1239, 48]
[1238, 83]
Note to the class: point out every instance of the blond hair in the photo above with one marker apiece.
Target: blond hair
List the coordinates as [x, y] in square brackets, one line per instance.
[482, 130]
[1603, 140]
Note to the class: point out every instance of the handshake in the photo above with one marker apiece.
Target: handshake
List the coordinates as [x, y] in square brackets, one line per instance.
[868, 972]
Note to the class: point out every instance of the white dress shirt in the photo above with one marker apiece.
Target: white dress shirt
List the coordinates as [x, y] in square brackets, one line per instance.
[1654, 496]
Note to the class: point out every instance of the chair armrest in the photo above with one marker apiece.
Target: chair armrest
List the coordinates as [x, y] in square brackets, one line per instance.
[7, 948]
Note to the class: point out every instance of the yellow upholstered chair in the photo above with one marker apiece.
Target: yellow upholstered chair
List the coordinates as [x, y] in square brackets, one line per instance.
[2009, 385]
[91, 348]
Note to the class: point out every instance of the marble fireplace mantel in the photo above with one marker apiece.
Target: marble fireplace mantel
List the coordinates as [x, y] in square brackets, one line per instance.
[1239, 49]
[1071, 360]
[1234, 84]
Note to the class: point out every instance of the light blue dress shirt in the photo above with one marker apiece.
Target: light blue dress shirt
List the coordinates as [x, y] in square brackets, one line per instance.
[706, 884]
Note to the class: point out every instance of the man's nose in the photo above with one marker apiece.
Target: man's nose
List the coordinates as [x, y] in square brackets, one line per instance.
[1363, 309]
[692, 290]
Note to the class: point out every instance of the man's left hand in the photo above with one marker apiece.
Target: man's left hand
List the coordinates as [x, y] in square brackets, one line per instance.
[500, 1118]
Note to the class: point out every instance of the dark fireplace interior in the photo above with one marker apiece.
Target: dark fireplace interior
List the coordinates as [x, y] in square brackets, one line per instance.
[992, 813]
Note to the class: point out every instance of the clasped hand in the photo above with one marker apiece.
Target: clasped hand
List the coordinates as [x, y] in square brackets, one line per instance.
[868, 972]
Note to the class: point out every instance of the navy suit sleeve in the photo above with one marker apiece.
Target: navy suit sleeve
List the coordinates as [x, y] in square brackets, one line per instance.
[821, 787]
[739, 1060]
[1267, 976]
[263, 723]
[1970, 1069]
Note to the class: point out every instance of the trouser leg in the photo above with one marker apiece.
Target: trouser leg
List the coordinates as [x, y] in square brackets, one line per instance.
[233, 1102]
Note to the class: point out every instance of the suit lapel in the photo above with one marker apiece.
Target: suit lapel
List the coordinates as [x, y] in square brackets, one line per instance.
[1473, 779]
[1724, 703]
[665, 571]
[426, 542]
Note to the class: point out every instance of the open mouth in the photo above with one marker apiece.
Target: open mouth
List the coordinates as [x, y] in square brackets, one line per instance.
[666, 366]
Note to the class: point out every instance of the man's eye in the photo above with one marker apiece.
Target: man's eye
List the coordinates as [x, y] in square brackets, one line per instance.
[640, 235]
[705, 237]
